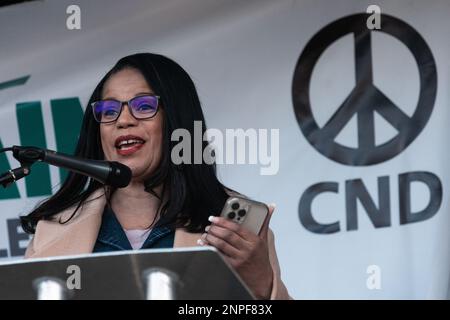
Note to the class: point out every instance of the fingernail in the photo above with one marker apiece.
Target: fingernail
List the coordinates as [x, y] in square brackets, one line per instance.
[204, 236]
[212, 219]
[207, 228]
[200, 242]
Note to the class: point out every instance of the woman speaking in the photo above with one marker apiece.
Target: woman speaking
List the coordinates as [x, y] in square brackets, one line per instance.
[130, 118]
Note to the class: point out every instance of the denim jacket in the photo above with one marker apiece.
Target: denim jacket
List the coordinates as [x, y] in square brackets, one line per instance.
[112, 237]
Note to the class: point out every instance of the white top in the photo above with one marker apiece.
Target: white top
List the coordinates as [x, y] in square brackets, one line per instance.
[137, 237]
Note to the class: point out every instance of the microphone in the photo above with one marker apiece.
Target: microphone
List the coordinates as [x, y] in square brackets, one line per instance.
[111, 173]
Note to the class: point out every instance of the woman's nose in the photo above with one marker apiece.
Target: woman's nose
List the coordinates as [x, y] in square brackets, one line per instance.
[126, 119]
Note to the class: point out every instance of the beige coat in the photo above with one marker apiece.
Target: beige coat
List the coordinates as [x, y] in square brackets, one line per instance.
[78, 236]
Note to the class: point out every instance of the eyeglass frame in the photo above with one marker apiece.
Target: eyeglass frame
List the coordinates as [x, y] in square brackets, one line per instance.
[129, 108]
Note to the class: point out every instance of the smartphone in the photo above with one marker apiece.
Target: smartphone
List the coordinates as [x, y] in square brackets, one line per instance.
[248, 213]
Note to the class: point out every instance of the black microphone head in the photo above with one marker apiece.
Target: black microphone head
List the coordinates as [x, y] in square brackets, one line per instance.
[120, 175]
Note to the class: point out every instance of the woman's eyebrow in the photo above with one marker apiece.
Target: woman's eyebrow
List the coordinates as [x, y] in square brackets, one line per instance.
[136, 95]
[143, 93]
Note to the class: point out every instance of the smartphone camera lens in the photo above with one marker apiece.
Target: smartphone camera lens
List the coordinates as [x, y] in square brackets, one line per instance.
[242, 212]
[231, 215]
[235, 206]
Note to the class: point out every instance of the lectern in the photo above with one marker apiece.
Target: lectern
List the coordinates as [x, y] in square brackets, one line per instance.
[154, 274]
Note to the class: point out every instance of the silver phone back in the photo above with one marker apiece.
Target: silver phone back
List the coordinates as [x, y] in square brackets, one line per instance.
[255, 213]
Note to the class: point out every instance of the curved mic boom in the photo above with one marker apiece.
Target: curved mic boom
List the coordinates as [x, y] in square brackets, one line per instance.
[110, 173]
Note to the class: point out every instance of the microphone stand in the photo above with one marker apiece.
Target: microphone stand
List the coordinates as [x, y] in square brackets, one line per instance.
[13, 175]
[106, 172]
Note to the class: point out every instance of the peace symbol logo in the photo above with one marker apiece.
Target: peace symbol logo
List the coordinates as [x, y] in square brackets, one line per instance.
[365, 98]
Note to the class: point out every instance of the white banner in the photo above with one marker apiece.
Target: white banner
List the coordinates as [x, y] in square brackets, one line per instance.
[360, 101]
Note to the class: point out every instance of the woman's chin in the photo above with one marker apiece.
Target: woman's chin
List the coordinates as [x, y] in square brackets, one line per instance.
[139, 174]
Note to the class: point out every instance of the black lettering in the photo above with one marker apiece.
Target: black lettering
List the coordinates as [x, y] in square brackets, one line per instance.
[380, 217]
[304, 208]
[434, 185]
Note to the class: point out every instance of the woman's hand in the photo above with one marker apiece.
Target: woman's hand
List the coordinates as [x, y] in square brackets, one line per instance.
[247, 253]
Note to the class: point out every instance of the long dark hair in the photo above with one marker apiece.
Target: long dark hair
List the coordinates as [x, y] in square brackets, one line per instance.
[193, 190]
